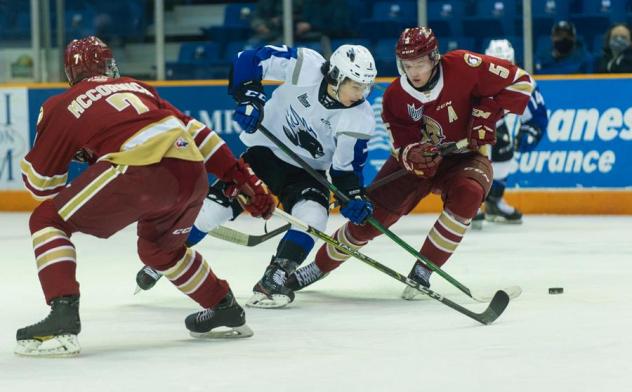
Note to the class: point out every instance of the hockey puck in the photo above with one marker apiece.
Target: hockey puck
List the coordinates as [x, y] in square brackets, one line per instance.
[556, 290]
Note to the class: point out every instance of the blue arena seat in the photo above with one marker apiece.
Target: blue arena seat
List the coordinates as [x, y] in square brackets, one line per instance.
[444, 17]
[493, 18]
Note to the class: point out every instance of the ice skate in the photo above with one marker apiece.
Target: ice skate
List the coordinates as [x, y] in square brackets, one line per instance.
[477, 221]
[304, 276]
[226, 320]
[270, 291]
[419, 274]
[501, 212]
[146, 278]
[56, 335]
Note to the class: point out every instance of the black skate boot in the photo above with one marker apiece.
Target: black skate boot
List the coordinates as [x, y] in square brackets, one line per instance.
[304, 276]
[419, 274]
[146, 278]
[56, 335]
[270, 291]
[227, 315]
[497, 210]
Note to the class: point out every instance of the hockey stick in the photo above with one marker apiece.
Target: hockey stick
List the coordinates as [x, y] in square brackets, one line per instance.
[237, 237]
[374, 222]
[444, 149]
[495, 308]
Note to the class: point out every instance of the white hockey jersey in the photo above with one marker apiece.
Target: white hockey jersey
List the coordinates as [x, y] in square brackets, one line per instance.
[320, 130]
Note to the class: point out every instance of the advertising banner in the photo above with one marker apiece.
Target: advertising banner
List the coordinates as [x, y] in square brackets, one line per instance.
[14, 136]
[589, 132]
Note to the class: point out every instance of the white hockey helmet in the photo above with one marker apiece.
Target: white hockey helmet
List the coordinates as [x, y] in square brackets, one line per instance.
[502, 49]
[354, 62]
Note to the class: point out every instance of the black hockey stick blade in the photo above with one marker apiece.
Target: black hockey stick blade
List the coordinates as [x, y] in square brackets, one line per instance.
[496, 307]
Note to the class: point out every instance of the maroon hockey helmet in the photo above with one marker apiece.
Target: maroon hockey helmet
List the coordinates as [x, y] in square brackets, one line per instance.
[416, 42]
[88, 57]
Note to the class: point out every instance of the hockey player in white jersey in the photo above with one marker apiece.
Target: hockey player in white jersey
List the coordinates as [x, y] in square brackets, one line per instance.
[533, 123]
[321, 112]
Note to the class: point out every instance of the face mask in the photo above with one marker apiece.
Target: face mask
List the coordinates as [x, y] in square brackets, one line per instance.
[618, 43]
[564, 46]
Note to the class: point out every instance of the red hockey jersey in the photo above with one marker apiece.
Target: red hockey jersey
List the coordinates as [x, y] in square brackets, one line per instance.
[442, 114]
[121, 120]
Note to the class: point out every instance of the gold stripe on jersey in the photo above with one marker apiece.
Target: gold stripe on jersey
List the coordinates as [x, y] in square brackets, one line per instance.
[47, 235]
[41, 182]
[209, 145]
[441, 242]
[90, 190]
[194, 127]
[181, 266]
[525, 85]
[196, 279]
[167, 138]
[334, 253]
[56, 255]
[452, 225]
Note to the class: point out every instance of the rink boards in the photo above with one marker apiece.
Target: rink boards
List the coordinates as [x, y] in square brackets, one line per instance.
[580, 167]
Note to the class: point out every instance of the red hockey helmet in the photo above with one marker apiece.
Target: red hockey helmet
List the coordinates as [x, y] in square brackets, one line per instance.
[88, 57]
[416, 42]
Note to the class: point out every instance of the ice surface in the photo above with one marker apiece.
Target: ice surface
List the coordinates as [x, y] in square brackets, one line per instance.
[350, 332]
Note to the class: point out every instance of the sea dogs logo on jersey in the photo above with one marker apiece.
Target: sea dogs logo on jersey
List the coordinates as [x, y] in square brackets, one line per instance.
[301, 134]
[415, 113]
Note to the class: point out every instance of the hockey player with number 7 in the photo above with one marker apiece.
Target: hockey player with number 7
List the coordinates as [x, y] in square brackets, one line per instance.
[321, 112]
[148, 164]
[436, 100]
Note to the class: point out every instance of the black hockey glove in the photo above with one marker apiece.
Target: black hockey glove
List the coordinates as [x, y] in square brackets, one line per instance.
[528, 137]
[250, 102]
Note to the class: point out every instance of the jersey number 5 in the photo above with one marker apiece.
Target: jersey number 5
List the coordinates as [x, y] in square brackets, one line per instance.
[499, 70]
[121, 101]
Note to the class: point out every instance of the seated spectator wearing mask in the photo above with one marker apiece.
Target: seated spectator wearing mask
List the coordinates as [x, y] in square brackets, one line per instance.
[617, 51]
[567, 56]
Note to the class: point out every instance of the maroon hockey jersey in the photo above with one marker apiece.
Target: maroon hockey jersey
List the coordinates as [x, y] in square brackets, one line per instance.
[442, 114]
[121, 120]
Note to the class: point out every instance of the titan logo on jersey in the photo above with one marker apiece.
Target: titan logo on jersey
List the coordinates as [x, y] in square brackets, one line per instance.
[415, 113]
[301, 134]
[432, 131]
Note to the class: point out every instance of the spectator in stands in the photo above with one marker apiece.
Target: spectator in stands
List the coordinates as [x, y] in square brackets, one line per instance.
[617, 50]
[567, 56]
[323, 20]
[267, 22]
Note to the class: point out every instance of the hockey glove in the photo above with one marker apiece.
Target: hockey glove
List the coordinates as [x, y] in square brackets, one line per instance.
[260, 201]
[420, 159]
[482, 127]
[527, 138]
[357, 210]
[249, 111]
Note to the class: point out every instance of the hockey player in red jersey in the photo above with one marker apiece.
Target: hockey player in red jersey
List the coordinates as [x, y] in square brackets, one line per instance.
[437, 99]
[148, 164]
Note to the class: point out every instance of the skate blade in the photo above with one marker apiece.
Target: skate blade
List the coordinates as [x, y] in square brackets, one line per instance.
[242, 331]
[260, 300]
[55, 347]
[410, 294]
[502, 220]
[477, 225]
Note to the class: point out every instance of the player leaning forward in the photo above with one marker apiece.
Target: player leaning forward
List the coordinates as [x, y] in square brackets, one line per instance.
[148, 164]
[321, 113]
[437, 99]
